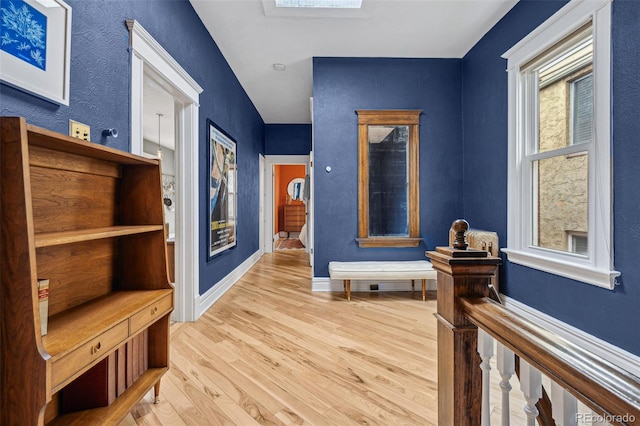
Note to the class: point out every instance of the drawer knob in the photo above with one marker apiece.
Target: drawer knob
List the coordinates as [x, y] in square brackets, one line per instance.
[154, 310]
[95, 349]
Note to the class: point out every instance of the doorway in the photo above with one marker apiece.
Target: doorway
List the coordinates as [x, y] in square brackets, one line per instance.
[152, 68]
[277, 197]
[289, 206]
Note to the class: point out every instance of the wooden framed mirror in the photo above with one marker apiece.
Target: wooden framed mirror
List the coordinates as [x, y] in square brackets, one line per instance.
[388, 178]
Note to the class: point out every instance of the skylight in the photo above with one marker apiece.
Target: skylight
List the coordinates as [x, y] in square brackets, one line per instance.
[324, 4]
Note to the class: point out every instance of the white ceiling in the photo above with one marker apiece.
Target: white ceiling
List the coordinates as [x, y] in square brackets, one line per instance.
[253, 35]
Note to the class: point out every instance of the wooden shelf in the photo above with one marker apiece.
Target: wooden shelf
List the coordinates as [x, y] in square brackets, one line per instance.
[74, 327]
[58, 142]
[90, 220]
[115, 412]
[68, 237]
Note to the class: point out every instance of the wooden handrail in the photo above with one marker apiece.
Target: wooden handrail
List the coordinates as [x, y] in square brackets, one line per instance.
[604, 387]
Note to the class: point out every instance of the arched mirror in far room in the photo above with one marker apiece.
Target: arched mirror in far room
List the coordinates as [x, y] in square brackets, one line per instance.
[296, 189]
[388, 178]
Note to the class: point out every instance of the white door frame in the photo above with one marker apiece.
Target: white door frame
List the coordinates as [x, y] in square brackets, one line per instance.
[148, 57]
[270, 161]
[261, 165]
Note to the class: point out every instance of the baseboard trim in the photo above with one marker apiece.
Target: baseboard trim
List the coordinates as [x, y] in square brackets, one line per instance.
[325, 284]
[207, 300]
[615, 355]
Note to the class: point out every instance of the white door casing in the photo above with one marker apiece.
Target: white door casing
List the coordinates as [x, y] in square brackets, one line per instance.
[148, 57]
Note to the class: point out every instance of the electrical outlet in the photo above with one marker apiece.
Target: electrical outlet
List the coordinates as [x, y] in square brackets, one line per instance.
[373, 287]
[79, 130]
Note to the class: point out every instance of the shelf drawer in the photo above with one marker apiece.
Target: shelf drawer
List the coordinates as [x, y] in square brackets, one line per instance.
[151, 313]
[85, 355]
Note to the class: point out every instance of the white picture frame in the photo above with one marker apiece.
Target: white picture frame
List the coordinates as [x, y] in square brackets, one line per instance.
[36, 61]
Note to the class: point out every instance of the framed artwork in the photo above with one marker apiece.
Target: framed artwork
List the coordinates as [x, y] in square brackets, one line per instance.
[222, 185]
[35, 46]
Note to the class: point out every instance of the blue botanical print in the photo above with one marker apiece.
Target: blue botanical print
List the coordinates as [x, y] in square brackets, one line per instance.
[23, 32]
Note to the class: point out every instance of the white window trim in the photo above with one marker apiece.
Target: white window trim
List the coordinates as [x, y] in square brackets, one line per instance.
[597, 267]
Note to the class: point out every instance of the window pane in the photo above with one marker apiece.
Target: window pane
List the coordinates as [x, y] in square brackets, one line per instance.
[578, 244]
[560, 200]
[565, 98]
[582, 110]
[388, 181]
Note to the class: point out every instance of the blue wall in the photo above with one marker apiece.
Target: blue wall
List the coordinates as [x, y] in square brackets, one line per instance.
[610, 315]
[99, 97]
[287, 139]
[342, 85]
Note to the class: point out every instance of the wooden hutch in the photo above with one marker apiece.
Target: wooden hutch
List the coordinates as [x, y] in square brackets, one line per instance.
[88, 219]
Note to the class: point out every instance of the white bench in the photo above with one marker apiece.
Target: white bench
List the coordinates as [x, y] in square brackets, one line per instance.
[375, 270]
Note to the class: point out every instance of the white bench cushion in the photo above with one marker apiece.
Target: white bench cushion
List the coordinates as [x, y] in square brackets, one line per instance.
[398, 270]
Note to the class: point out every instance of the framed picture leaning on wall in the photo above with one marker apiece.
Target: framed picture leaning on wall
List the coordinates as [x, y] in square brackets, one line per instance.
[35, 47]
[222, 185]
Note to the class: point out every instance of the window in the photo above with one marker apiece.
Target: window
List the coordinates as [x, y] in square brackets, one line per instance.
[581, 109]
[388, 184]
[559, 207]
[578, 243]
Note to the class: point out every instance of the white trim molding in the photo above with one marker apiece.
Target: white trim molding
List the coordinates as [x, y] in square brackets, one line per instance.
[619, 357]
[597, 266]
[148, 57]
[212, 295]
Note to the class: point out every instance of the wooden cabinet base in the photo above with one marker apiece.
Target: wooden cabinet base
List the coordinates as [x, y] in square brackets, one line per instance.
[95, 388]
[120, 407]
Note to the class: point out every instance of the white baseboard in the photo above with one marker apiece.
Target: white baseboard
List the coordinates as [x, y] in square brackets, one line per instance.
[362, 286]
[619, 357]
[205, 301]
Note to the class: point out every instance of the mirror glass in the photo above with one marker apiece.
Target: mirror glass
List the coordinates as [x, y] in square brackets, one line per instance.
[296, 189]
[388, 181]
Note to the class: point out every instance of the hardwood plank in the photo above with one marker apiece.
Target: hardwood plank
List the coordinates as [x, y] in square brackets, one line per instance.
[272, 352]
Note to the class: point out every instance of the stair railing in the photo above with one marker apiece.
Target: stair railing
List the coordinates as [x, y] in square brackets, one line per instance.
[469, 322]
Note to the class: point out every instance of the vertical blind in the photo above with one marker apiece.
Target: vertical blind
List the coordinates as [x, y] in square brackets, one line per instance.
[582, 110]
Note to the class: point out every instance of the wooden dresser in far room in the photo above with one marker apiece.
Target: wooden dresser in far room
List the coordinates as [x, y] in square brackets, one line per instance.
[294, 217]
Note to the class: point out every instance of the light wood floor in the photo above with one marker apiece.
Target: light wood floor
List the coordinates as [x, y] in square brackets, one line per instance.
[271, 352]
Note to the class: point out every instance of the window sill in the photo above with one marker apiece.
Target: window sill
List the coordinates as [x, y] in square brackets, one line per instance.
[598, 277]
[389, 242]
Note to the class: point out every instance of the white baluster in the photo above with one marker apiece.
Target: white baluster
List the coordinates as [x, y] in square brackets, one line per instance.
[531, 386]
[485, 349]
[506, 367]
[565, 406]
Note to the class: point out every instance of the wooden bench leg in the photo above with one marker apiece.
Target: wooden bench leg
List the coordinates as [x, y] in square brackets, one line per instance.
[424, 289]
[347, 285]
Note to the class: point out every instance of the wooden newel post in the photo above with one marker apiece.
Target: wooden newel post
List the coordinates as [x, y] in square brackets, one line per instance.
[462, 272]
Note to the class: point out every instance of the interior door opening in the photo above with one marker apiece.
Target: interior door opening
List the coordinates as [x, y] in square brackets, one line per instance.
[287, 197]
